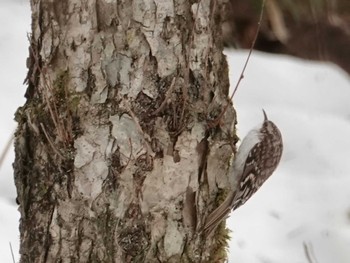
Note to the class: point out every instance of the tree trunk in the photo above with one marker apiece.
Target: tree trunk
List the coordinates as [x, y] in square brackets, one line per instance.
[115, 160]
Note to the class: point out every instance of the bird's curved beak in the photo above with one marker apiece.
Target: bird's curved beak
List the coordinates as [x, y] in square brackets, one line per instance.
[265, 116]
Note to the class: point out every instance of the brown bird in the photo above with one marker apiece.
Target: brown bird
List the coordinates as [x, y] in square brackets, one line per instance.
[257, 158]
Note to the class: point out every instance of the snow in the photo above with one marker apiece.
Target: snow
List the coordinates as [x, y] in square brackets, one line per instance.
[15, 24]
[306, 201]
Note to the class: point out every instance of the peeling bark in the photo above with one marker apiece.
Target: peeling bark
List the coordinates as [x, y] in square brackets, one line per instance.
[115, 160]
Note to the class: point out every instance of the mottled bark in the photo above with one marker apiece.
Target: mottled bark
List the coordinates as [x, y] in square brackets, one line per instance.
[115, 160]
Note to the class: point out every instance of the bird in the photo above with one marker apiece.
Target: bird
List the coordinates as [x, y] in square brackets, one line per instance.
[256, 159]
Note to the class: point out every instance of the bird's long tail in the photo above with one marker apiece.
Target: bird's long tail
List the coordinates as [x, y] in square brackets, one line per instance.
[218, 215]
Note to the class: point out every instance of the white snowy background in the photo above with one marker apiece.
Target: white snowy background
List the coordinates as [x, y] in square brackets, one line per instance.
[306, 201]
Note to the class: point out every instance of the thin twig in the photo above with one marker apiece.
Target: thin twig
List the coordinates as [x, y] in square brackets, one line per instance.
[52, 107]
[50, 141]
[13, 256]
[6, 149]
[250, 50]
[310, 256]
[216, 121]
[167, 95]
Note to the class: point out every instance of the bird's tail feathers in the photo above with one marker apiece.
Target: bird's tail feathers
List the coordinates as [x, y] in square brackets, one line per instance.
[218, 215]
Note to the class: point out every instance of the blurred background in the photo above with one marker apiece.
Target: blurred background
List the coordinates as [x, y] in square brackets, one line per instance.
[310, 29]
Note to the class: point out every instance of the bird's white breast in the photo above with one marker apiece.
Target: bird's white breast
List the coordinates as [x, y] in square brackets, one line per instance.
[249, 141]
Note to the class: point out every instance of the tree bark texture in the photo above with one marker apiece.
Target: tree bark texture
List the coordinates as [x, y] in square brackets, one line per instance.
[117, 157]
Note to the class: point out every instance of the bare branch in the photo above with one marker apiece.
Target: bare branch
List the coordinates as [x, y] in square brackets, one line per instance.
[6, 149]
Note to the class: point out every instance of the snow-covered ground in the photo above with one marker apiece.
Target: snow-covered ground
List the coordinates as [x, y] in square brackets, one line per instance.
[306, 201]
[14, 26]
